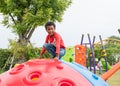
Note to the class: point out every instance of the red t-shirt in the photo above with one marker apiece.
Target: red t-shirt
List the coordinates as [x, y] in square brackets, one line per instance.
[56, 40]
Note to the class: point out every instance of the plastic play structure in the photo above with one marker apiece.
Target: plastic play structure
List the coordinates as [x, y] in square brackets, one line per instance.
[80, 54]
[92, 54]
[46, 72]
[104, 64]
[69, 54]
[110, 72]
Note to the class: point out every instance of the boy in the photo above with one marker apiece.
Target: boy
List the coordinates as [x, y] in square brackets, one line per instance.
[54, 43]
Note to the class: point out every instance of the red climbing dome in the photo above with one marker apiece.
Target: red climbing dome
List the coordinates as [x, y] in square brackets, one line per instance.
[43, 73]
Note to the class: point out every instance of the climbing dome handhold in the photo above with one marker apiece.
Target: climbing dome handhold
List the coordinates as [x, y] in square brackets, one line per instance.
[45, 72]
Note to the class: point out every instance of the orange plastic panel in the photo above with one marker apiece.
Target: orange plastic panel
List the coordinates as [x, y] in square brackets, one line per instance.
[80, 54]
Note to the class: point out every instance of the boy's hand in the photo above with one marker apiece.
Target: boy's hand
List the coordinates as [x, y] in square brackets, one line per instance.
[56, 58]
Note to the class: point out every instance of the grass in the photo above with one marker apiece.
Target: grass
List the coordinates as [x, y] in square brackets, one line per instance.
[114, 80]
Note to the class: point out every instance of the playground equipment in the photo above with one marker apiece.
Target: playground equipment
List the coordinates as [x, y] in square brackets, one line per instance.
[104, 65]
[46, 72]
[104, 53]
[92, 54]
[69, 56]
[80, 54]
[110, 72]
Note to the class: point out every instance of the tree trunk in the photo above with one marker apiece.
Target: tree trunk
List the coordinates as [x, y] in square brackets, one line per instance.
[23, 41]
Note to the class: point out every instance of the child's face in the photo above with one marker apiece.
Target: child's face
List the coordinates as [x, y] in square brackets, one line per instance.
[50, 30]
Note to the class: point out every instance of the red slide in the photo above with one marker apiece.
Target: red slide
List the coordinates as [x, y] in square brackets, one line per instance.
[110, 72]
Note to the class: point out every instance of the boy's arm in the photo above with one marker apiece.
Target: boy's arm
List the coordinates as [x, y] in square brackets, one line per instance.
[57, 47]
[58, 38]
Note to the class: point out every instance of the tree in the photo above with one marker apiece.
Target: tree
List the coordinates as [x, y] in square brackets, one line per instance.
[112, 46]
[23, 16]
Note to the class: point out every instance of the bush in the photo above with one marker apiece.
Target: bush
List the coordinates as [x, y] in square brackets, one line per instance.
[4, 54]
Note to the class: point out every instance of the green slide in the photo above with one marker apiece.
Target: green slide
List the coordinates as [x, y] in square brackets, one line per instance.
[69, 56]
[104, 64]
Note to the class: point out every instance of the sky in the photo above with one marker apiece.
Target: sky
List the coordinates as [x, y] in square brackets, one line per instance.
[94, 17]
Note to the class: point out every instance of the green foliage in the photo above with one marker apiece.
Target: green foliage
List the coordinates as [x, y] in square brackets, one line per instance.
[113, 53]
[16, 49]
[27, 52]
[112, 46]
[22, 15]
[16, 52]
[23, 53]
[4, 54]
[34, 53]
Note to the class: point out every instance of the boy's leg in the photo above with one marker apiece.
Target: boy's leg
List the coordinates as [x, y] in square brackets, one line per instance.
[50, 48]
[62, 53]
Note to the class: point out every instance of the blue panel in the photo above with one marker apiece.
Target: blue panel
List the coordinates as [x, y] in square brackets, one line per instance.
[91, 77]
